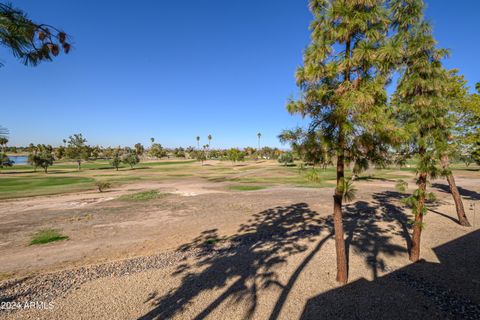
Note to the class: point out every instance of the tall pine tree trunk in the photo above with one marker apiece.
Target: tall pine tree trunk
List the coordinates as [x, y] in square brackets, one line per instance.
[417, 228]
[342, 273]
[462, 218]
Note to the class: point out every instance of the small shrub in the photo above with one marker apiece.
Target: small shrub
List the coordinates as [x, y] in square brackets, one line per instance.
[46, 236]
[103, 185]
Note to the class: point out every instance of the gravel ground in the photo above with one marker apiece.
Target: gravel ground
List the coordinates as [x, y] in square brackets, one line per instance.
[178, 285]
[51, 286]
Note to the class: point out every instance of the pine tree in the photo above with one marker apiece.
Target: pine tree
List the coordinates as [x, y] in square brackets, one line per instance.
[343, 80]
[29, 41]
[457, 95]
[468, 126]
[422, 110]
[408, 15]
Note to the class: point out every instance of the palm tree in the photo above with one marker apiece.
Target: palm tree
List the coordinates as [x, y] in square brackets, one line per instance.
[152, 140]
[259, 135]
[477, 86]
[198, 142]
[343, 90]
[209, 141]
[3, 142]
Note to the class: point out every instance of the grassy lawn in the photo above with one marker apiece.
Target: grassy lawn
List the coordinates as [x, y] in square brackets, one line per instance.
[166, 163]
[46, 236]
[12, 187]
[92, 165]
[63, 177]
[21, 181]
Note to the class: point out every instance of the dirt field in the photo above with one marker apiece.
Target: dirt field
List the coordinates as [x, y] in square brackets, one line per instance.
[202, 250]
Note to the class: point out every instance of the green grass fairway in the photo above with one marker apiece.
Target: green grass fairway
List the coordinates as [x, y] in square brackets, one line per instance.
[166, 163]
[25, 186]
[63, 177]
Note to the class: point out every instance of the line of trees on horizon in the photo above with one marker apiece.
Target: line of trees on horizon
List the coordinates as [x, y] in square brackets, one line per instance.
[76, 149]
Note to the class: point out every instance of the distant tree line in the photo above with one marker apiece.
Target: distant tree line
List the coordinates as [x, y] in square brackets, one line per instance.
[76, 149]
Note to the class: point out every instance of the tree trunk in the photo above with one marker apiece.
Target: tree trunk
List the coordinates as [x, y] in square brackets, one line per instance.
[462, 218]
[342, 273]
[417, 228]
[45, 169]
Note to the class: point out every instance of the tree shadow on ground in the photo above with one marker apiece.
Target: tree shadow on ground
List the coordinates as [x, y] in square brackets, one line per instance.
[465, 193]
[445, 188]
[446, 290]
[17, 172]
[372, 177]
[247, 259]
[443, 215]
[247, 262]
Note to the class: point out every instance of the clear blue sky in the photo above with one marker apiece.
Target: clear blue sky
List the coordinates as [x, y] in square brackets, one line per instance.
[177, 69]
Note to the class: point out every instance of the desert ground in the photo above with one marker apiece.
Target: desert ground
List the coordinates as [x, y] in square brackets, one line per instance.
[250, 240]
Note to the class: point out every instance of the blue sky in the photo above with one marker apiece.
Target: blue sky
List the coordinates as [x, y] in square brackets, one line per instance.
[177, 69]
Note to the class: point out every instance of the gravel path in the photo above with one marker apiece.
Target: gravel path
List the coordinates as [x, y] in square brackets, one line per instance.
[50, 286]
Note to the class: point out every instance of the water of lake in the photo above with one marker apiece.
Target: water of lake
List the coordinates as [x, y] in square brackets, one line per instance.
[19, 159]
